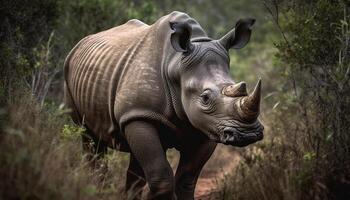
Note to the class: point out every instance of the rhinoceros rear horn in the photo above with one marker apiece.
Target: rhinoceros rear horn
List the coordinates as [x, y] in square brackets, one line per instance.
[239, 36]
[181, 37]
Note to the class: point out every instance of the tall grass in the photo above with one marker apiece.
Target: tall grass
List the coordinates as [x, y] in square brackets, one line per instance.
[41, 156]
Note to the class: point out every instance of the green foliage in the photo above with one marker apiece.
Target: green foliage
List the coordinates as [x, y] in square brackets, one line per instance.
[39, 34]
[318, 56]
[305, 154]
[84, 17]
[24, 25]
[72, 131]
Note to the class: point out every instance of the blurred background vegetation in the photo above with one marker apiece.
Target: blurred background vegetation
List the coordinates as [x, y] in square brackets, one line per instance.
[300, 49]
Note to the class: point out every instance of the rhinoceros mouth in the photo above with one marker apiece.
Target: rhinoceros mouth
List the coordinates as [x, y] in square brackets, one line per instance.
[242, 136]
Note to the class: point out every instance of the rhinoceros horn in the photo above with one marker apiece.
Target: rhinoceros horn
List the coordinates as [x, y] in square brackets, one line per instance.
[235, 90]
[249, 106]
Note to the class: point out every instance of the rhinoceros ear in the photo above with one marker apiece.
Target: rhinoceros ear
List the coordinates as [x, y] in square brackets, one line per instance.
[181, 37]
[239, 36]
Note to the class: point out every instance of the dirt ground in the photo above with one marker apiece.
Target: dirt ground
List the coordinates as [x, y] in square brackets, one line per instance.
[223, 161]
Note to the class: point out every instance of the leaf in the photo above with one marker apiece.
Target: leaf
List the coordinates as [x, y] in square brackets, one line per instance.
[329, 137]
[275, 106]
[309, 156]
[343, 22]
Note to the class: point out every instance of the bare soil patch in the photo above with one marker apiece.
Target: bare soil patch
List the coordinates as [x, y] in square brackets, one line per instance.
[224, 161]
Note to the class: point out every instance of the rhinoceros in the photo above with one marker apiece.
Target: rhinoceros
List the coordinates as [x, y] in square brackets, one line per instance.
[143, 89]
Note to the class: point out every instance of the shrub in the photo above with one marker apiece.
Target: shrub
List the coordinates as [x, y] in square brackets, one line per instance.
[306, 154]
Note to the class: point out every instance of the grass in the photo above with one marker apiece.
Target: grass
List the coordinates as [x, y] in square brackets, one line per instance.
[41, 156]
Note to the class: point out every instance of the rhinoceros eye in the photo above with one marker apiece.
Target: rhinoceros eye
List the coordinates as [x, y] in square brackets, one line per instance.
[205, 97]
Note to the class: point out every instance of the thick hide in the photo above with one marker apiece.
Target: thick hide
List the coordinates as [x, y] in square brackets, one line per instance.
[117, 76]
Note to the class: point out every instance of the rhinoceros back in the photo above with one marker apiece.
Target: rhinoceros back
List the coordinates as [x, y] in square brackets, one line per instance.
[116, 75]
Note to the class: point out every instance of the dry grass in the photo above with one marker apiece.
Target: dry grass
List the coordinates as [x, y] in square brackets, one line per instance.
[41, 158]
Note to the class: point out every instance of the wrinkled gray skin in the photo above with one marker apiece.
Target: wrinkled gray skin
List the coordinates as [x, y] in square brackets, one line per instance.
[145, 88]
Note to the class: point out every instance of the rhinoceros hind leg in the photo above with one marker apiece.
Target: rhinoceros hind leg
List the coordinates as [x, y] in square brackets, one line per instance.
[145, 145]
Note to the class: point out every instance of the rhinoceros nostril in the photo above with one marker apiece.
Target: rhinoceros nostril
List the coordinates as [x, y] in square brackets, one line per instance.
[228, 132]
[228, 135]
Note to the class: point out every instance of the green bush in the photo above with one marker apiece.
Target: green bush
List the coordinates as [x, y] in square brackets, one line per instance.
[306, 154]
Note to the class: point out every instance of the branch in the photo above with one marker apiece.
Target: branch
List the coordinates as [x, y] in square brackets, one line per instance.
[276, 18]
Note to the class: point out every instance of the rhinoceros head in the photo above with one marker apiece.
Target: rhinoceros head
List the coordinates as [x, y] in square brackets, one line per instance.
[211, 100]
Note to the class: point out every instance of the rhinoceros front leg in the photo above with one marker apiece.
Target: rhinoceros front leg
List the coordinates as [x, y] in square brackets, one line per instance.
[145, 145]
[135, 179]
[192, 159]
